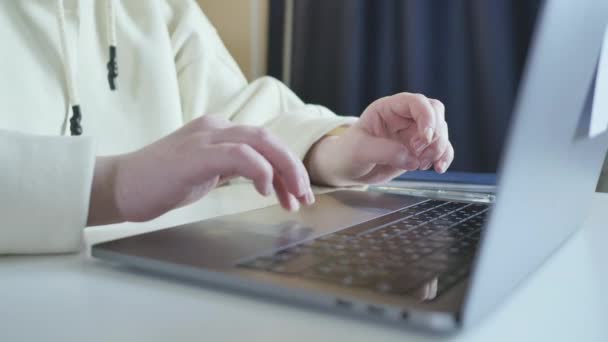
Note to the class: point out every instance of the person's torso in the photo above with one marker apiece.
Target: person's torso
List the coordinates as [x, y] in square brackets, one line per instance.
[33, 91]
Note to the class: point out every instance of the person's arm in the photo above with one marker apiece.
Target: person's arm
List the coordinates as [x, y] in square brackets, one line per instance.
[52, 187]
[211, 82]
[103, 206]
[395, 134]
[44, 192]
[185, 165]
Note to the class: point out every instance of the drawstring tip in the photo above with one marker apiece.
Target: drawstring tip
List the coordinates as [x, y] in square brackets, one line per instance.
[112, 68]
[75, 127]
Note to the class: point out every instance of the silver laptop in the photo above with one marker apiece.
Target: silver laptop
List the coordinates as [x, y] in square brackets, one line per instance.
[439, 264]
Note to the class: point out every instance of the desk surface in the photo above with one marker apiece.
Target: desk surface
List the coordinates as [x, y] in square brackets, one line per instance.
[64, 298]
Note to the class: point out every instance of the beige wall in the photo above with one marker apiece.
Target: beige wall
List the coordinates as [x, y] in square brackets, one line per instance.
[242, 24]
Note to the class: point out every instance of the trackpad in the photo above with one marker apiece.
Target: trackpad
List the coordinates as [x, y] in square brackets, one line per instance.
[223, 241]
[208, 248]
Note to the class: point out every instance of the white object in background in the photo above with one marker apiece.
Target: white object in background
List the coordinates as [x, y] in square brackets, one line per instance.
[287, 42]
[258, 37]
[599, 108]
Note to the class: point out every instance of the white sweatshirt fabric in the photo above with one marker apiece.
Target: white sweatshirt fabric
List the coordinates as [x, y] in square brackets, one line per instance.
[172, 67]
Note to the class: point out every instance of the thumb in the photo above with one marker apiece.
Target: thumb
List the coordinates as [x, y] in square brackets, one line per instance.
[383, 151]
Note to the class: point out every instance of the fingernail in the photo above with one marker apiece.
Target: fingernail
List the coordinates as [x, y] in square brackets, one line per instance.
[268, 190]
[428, 134]
[443, 166]
[310, 198]
[293, 204]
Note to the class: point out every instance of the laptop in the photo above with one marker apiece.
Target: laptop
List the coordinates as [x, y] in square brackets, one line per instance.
[438, 264]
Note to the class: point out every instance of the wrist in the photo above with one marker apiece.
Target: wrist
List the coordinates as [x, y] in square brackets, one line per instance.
[103, 207]
[314, 160]
[326, 162]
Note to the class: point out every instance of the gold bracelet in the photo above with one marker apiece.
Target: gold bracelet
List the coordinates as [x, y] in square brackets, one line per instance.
[337, 131]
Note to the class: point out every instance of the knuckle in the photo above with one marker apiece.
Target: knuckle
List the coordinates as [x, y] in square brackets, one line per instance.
[289, 168]
[292, 169]
[439, 108]
[263, 172]
[203, 139]
[262, 134]
[438, 104]
[206, 119]
[199, 124]
[209, 121]
[419, 98]
[252, 132]
[238, 150]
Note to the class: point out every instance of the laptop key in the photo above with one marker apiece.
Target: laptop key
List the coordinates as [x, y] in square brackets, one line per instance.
[261, 263]
[431, 242]
[432, 266]
[298, 264]
[353, 280]
[402, 283]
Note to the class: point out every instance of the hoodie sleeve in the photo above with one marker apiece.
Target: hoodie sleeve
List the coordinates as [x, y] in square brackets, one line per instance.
[211, 83]
[45, 185]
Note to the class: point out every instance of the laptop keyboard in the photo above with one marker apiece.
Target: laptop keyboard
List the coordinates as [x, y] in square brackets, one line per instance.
[423, 252]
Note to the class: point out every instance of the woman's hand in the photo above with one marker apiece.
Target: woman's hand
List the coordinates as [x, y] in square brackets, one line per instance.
[184, 166]
[398, 133]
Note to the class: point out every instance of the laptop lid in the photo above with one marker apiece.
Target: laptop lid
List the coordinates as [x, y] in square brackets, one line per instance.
[552, 160]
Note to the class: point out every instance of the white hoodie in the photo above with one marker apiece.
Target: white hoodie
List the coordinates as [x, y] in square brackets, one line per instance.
[172, 67]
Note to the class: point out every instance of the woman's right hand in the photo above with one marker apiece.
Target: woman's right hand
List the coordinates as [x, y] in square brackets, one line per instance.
[185, 165]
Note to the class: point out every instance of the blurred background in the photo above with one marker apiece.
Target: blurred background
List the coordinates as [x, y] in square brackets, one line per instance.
[344, 54]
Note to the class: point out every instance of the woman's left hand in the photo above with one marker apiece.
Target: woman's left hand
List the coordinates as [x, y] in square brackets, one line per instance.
[394, 134]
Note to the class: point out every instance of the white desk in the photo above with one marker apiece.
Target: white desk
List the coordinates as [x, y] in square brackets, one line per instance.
[64, 298]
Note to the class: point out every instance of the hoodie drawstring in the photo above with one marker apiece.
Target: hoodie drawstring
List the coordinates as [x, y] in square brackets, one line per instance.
[74, 102]
[111, 36]
[68, 67]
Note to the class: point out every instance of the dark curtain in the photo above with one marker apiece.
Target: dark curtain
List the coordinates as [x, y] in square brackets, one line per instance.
[467, 53]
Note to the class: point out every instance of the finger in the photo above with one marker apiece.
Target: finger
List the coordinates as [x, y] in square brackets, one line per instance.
[383, 151]
[418, 144]
[444, 162]
[441, 124]
[205, 123]
[290, 168]
[433, 152]
[439, 110]
[287, 200]
[441, 138]
[420, 109]
[380, 174]
[229, 160]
